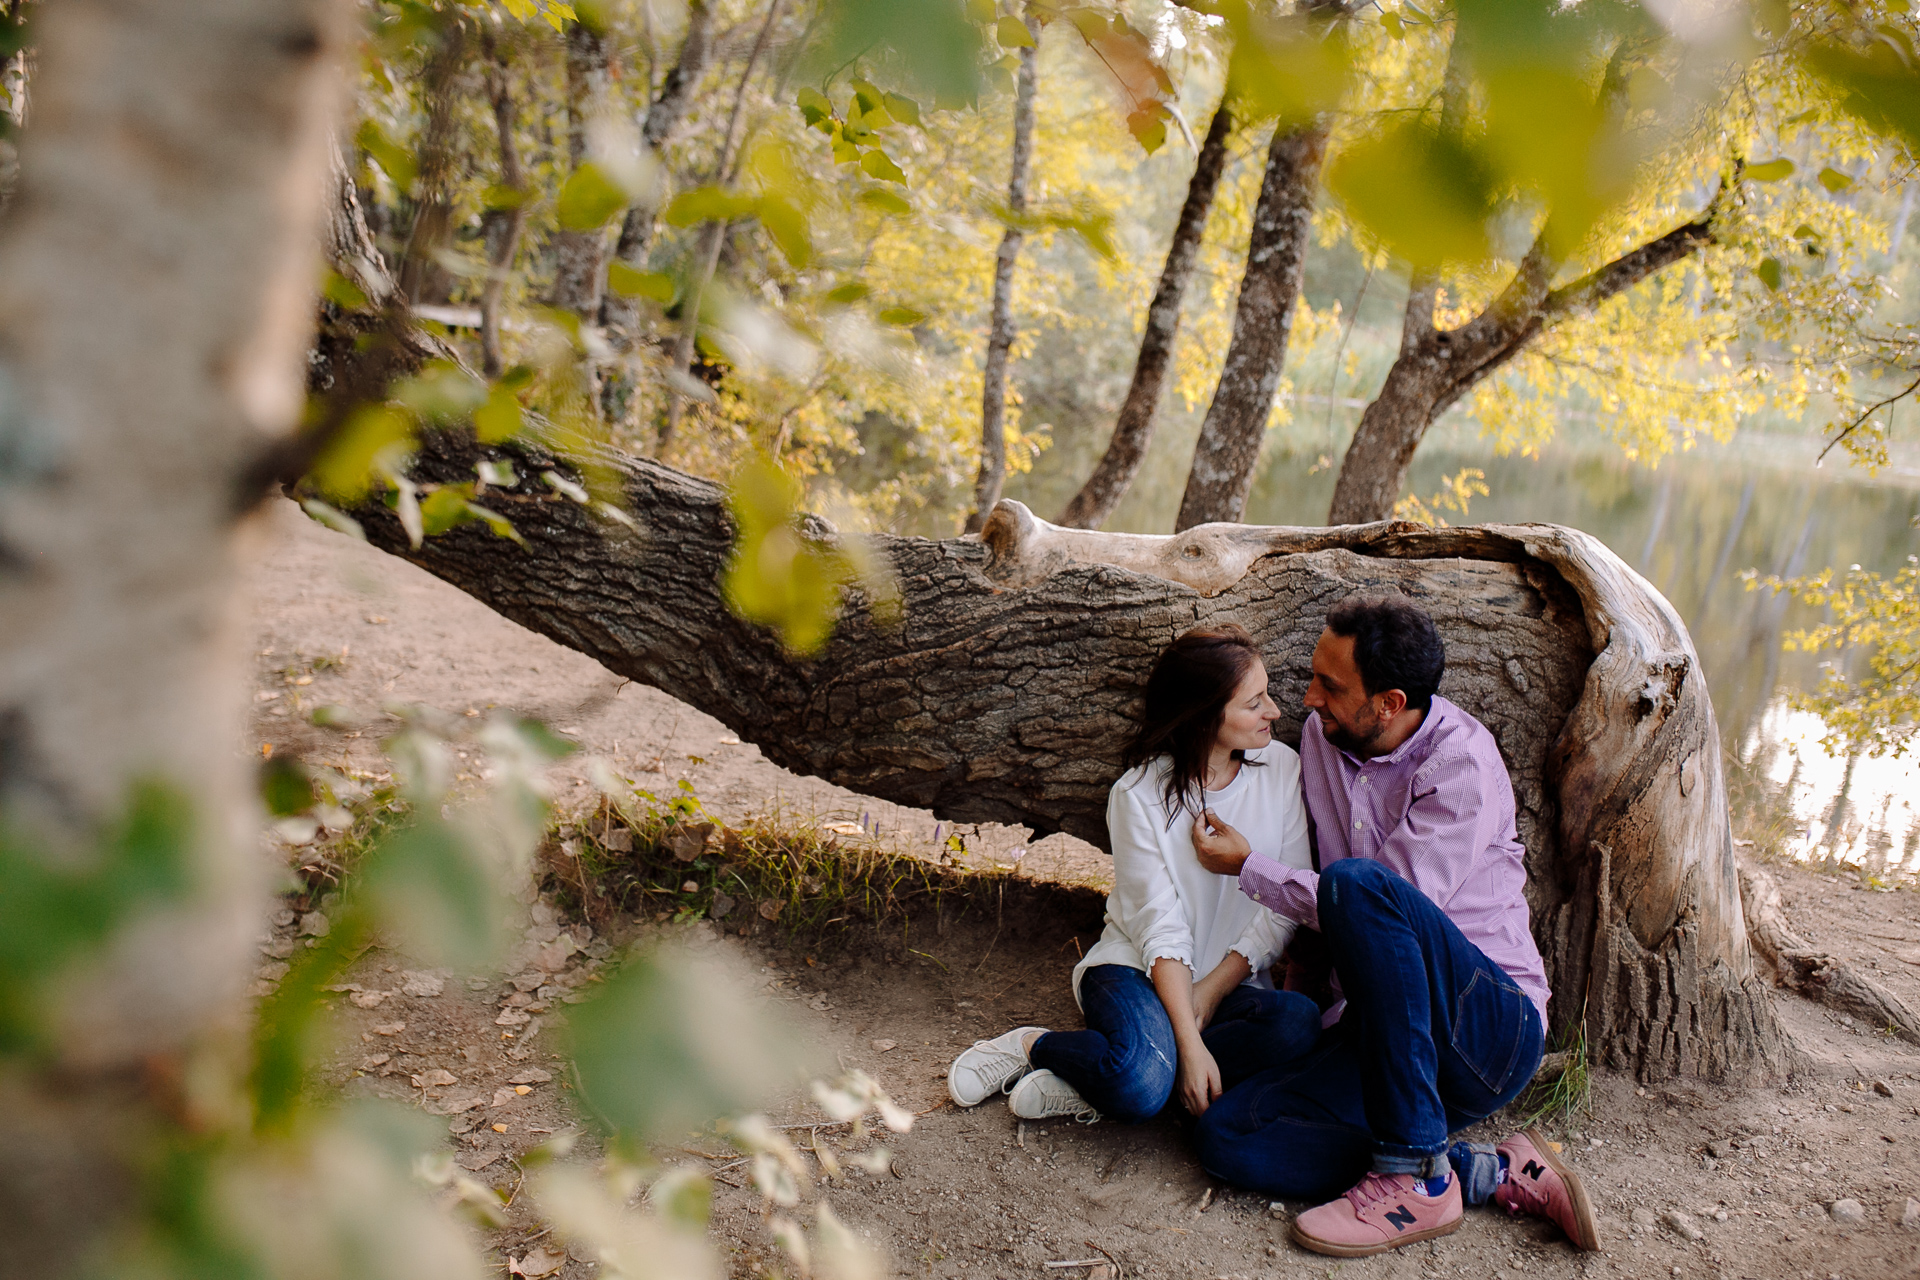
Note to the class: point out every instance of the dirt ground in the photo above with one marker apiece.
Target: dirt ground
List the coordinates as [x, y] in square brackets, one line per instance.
[1809, 1180]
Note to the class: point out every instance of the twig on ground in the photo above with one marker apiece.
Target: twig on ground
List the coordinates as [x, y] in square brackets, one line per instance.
[1119, 1272]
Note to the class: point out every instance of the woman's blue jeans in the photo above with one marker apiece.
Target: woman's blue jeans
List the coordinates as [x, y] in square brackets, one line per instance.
[1435, 1037]
[1125, 1062]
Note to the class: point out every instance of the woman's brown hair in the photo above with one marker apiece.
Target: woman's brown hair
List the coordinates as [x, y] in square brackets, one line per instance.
[1187, 694]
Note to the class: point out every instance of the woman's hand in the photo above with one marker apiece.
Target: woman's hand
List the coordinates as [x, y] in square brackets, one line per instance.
[1232, 970]
[1199, 1078]
[1220, 848]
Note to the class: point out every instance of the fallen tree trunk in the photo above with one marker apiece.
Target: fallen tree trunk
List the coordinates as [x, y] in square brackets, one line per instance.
[1006, 688]
[1801, 968]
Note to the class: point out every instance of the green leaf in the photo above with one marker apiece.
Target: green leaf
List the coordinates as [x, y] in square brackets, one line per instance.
[344, 293]
[847, 294]
[878, 164]
[1834, 180]
[499, 196]
[936, 45]
[630, 282]
[285, 786]
[430, 884]
[787, 227]
[1011, 33]
[1285, 67]
[903, 109]
[1769, 273]
[441, 392]
[708, 204]
[500, 419]
[982, 10]
[666, 1045]
[778, 578]
[844, 152]
[1149, 127]
[590, 199]
[1427, 196]
[905, 317]
[815, 107]
[388, 154]
[1805, 231]
[1769, 170]
[445, 508]
[1396, 27]
[1880, 84]
[869, 101]
[885, 201]
[335, 519]
[376, 434]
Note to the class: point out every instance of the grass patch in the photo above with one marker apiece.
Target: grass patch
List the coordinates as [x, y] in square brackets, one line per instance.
[669, 860]
[1563, 1088]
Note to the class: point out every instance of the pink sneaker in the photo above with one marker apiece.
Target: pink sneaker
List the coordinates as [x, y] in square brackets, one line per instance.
[1384, 1212]
[1539, 1184]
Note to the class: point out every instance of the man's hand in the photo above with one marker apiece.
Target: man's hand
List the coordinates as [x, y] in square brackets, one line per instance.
[1220, 848]
[1199, 1078]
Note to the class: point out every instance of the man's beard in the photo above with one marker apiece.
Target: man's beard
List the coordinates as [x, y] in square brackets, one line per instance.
[1355, 739]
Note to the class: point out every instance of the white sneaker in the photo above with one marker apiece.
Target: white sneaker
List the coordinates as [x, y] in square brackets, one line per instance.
[1042, 1095]
[989, 1067]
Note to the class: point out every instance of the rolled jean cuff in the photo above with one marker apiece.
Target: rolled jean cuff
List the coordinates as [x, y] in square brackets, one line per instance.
[1420, 1166]
[1478, 1164]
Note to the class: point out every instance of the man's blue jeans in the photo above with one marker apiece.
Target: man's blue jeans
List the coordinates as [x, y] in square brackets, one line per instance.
[1125, 1062]
[1435, 1037]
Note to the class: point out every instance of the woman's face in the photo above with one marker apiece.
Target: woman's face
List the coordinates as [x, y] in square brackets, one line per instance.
[1247, 724]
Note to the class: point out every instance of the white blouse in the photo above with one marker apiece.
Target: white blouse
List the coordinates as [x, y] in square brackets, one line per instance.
[1164, 904]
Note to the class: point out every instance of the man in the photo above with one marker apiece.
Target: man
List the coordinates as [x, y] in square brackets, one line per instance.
[1420, 900]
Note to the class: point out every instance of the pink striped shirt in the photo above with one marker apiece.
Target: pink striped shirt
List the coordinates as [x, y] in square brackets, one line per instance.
[1439, 812]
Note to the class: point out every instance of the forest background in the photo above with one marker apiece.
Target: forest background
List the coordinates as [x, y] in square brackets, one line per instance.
[882, 260]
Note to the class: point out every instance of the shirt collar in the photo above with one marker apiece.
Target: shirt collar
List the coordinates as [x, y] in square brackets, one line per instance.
[1401, 752]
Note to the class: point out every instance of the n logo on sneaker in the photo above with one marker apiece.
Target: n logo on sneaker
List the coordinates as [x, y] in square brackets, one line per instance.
[1532, 1170]
[1401, 1217]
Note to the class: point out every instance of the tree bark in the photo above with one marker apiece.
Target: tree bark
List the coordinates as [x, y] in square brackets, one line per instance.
[1133, 428]
[579, 256]
[156, 300]
[992, 478]
[1796, 965]
[1236, 421]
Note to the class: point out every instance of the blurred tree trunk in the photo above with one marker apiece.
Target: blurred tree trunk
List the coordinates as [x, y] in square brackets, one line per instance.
[993, 393]
[579, 257]
[503, 228]
[157, 276]
[619, 314]
[423, 277]
[1236, 421]
[1133, 428]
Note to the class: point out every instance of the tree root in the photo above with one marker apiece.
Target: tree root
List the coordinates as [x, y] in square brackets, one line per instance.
[1814, 974]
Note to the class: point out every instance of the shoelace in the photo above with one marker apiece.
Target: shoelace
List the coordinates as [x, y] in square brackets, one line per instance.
[1371, 1189]
[1011, 1065]
[1522, 1198]
[1064, 1104]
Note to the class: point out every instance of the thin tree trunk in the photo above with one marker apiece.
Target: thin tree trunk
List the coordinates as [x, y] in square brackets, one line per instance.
[14, 74]
[504, 227]
[156, 299]
[707, 254]
[1133, 428]
[993, 393]
[1236, 421]
[579, 256]
[1436, 367]
[619, 314]
[422, 277]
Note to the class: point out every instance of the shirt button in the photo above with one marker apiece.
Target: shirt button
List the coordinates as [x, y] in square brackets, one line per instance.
[1359, 824]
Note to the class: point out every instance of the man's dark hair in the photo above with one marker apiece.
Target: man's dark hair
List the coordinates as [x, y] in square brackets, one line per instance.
[1395, 645]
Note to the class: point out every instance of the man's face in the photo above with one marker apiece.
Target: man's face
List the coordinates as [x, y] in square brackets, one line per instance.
[1348, 717]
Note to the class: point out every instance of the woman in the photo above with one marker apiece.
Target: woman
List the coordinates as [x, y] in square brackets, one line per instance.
[1205, 746]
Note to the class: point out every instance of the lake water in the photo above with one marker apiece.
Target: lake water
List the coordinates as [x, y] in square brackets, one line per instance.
[1691, 526]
